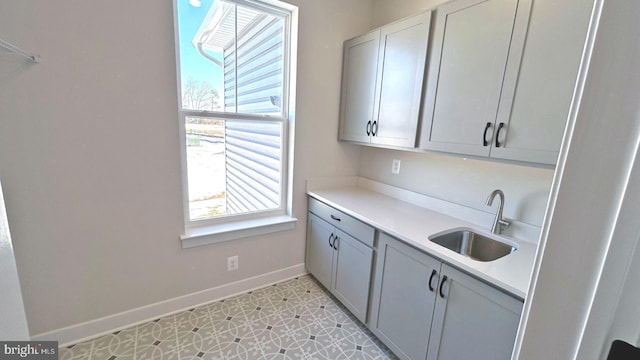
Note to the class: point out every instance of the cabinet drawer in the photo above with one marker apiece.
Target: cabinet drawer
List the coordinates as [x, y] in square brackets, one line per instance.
[342, 221]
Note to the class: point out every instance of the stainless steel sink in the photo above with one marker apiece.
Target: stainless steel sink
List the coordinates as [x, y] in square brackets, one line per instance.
[473, 245]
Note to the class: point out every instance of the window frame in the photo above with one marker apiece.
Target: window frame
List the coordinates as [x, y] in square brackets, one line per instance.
[230, 227]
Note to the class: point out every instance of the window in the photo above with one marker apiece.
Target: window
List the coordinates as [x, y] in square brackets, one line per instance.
[234, 59]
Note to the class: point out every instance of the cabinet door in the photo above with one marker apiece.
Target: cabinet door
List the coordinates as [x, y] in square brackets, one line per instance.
[401, 66]
[472, 320]
[319, 257]
[402, 304]
[352, 274]
[466, 71]
[360, 62]
[535, 119]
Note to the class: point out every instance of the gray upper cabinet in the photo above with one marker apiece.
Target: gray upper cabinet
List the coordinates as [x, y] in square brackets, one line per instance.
[501, 77]
[340, 255]
[359, 68]
[473, 68]
[382, 78]
[536, 115]
[472, 320]
[499, 80]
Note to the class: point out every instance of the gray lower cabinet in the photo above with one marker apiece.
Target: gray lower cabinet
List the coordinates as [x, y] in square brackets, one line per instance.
[424, 309]
[472, 320]
[403, 298]
[319, 259]
[340, 255]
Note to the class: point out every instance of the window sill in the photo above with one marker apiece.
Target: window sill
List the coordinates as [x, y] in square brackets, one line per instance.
[214, 234]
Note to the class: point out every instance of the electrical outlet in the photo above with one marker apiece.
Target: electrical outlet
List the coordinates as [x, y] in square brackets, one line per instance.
[395, 167]
[232, 263]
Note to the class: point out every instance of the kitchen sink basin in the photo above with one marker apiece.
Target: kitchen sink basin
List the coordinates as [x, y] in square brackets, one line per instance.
[473, 245]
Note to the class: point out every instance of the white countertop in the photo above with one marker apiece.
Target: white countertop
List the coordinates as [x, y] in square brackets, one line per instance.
[414, 224]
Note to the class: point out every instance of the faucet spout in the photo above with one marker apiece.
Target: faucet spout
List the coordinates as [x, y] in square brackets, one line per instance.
[499, 224]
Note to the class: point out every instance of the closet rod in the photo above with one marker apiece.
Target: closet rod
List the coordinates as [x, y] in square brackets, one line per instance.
[17, 50]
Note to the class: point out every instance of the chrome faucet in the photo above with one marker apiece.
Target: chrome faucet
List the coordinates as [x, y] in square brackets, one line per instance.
[498, 223]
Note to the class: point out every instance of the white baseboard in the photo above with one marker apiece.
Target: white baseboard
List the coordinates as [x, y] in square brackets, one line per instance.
[108, 324]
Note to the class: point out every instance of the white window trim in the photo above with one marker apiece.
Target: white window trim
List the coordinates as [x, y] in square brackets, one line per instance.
[205, 235]
[217, 230]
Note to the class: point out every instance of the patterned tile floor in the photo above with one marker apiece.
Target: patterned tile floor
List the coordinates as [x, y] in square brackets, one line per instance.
[295, 319]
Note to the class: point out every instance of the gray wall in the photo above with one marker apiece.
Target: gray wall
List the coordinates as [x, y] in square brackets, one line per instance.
[463, 181]
[89, 154]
